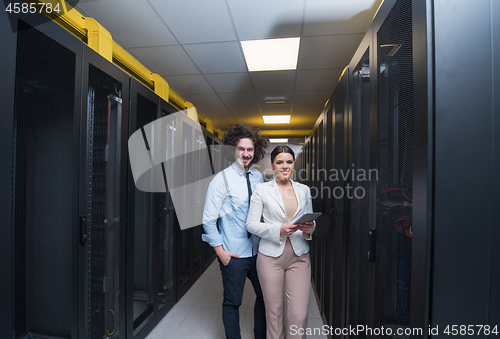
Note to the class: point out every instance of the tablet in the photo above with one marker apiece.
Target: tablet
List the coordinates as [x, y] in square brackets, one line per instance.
[305, 217]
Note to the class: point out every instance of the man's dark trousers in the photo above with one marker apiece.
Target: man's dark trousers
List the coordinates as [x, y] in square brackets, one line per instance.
[233, 279]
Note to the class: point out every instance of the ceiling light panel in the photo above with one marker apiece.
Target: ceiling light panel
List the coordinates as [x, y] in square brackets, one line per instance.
[278, 141]
[271, 54]
[276, 119]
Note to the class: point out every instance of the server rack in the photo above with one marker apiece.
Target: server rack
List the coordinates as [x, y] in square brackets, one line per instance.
[213, 144]
[102, 197]
[358, 210]
[168, 223]
[327, 207]
[410, 123]
[143, 215]
[462, 132]
[189, 259]
[40, 168]
[73, 250]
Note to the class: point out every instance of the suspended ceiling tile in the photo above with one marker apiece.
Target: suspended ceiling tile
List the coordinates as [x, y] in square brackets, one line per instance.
[193, 21]
[311, 97]
[239, 111]
[230, 82]
[217, 57]
[165, 60]
[328, 51]
[115, 16]
[303, 122]
[338, 17]
[188, 84]
[238, 99]
[273, 81]
[214, 111]
[204, 100]
[223, 122]
[252, 121]
[317, 79]
[276, 109]
[312, 111]
[264, 19]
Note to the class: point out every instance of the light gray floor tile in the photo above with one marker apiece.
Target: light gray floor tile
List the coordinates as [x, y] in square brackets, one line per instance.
[247, 326]
[170, 323]
[199, 312]
[313, 306]
[201, 323]
[314, 325]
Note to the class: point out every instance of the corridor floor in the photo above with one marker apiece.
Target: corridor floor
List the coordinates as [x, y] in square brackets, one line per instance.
[198, 315]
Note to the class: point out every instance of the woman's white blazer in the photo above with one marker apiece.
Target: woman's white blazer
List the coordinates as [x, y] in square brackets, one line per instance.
[267, 202]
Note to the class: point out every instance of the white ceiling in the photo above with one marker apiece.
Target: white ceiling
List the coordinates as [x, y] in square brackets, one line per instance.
[195, 46]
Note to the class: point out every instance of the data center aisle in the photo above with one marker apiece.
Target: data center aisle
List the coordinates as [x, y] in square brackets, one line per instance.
[199, 312]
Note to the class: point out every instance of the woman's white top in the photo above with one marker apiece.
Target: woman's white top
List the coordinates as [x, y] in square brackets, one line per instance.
[267, 202]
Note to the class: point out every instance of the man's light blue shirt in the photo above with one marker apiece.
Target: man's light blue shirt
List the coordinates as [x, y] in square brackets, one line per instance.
[231, 203]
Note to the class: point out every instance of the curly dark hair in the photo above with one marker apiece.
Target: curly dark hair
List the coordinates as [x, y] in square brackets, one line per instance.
[238, 131]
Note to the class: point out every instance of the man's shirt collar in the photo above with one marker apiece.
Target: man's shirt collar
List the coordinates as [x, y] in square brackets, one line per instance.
[239, 170]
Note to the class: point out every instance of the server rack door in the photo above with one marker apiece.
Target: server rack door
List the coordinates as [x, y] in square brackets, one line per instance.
[168, 222]
[41, 119]
[327, 210]
[465, 167]
[339, 203]
[189, 240]
[206, 248]
[315, 270]
[144, 216]
[212, 144]
[102, 198]
[318, 203]
[203, 169]
[394, 149]
[358, 240]
[184, 237]
[8, 55]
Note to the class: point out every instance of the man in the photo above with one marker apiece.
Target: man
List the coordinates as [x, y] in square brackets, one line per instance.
[228, 196]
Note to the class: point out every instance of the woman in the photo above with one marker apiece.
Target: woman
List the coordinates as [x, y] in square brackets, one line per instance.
[283, 259]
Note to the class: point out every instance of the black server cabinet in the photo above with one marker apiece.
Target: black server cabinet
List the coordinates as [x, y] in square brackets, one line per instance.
[465, 163]
[414, 253]
[320, 197]
[326, 208]
[39, 133]
[203, 160]
[214, 150]
[189, 247]
[393, 146]
[168, 222]
[102, 198]
[315, 250]
[358, 210]
[143, 220]
[339, 193]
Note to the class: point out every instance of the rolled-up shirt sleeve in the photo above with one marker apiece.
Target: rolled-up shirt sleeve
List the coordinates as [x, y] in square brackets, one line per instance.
[216, 194]
[254, 225]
